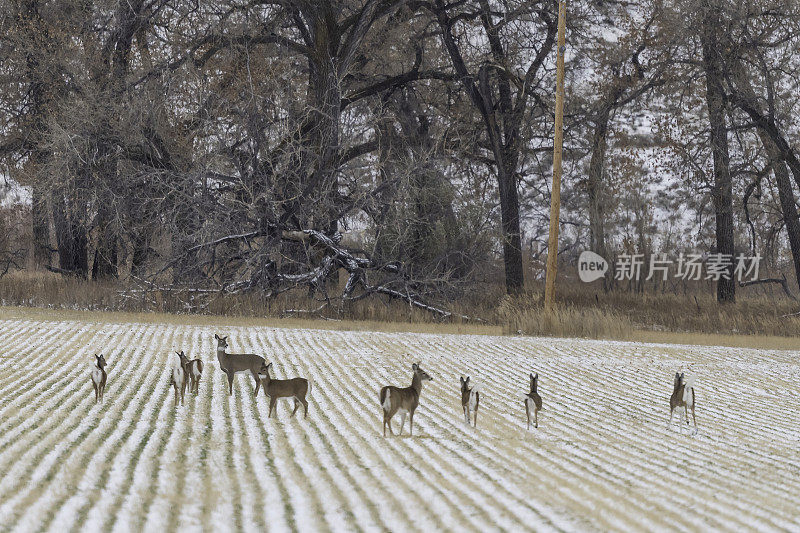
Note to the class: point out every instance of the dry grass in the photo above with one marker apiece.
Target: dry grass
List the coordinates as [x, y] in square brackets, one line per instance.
[582, 311]
[523, 316]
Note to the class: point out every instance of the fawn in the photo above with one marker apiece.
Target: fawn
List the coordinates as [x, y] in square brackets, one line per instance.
[99, 377]
[403, 400]
[179, 377]
[470, 399]
[194, 371]
[231, 363]
[682, 396]
[284, 388]
[533, 402]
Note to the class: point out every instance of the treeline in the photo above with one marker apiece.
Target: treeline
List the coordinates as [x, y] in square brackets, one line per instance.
[228, 146]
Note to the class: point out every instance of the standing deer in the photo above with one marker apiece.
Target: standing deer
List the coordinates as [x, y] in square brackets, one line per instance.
[533, 402]
[403, 400]
[284, 388]
[231, 363]
[179, 376]
[470, 399]
[99, 377]
[682, 396]
[194, 371]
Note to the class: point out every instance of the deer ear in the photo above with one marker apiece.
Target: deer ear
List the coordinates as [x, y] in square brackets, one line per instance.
[462, 379]
[216, 336]
[414, 366]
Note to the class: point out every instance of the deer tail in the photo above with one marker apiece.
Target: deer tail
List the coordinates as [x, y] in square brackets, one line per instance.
[688, 388]
[387, 404]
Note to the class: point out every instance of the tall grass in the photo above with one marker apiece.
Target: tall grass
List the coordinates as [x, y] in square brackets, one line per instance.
[523, 316]
[581, 310]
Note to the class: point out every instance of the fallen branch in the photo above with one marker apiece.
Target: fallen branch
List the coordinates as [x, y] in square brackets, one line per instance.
[780, 281]
[334, 256]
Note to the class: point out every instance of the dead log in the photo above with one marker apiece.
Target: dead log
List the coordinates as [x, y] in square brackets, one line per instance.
[780, 281]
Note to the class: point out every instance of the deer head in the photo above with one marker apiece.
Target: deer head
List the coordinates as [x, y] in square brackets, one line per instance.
[222, 342]
[419, 373]
[182, 356]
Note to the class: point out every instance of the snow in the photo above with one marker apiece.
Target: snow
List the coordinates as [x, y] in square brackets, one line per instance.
[602, 457]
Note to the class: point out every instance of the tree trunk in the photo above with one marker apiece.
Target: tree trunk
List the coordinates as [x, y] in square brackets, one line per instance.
[783, 181]
[595, 190]
[512, 236]
[41, 227]
[722, 191]
[786, 195]
[104, 266]
[71, 240]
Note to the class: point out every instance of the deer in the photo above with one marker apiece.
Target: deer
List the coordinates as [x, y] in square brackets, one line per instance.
[403, 400]
[470, 399]
[295, 388]
[179, 376]
[682, 396]
[232, 363]
[533, 402]
[194, 371]
[99, 378]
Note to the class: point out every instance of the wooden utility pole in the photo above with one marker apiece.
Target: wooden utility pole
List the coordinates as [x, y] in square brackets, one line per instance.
[555, 193]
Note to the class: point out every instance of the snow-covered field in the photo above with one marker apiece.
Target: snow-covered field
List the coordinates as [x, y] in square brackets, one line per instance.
[602, 458]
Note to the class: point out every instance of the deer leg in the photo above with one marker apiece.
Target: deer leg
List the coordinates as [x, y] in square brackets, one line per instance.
[694, 419]
[466, 414]
[411, 423]
[536, 417]
[296, 405]
[671, 413]
[258, 381]
[528, 414]
[305, 407]
[402, 423]
[230, 382]
[271, 406]
[389, 422]
[475, 423]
